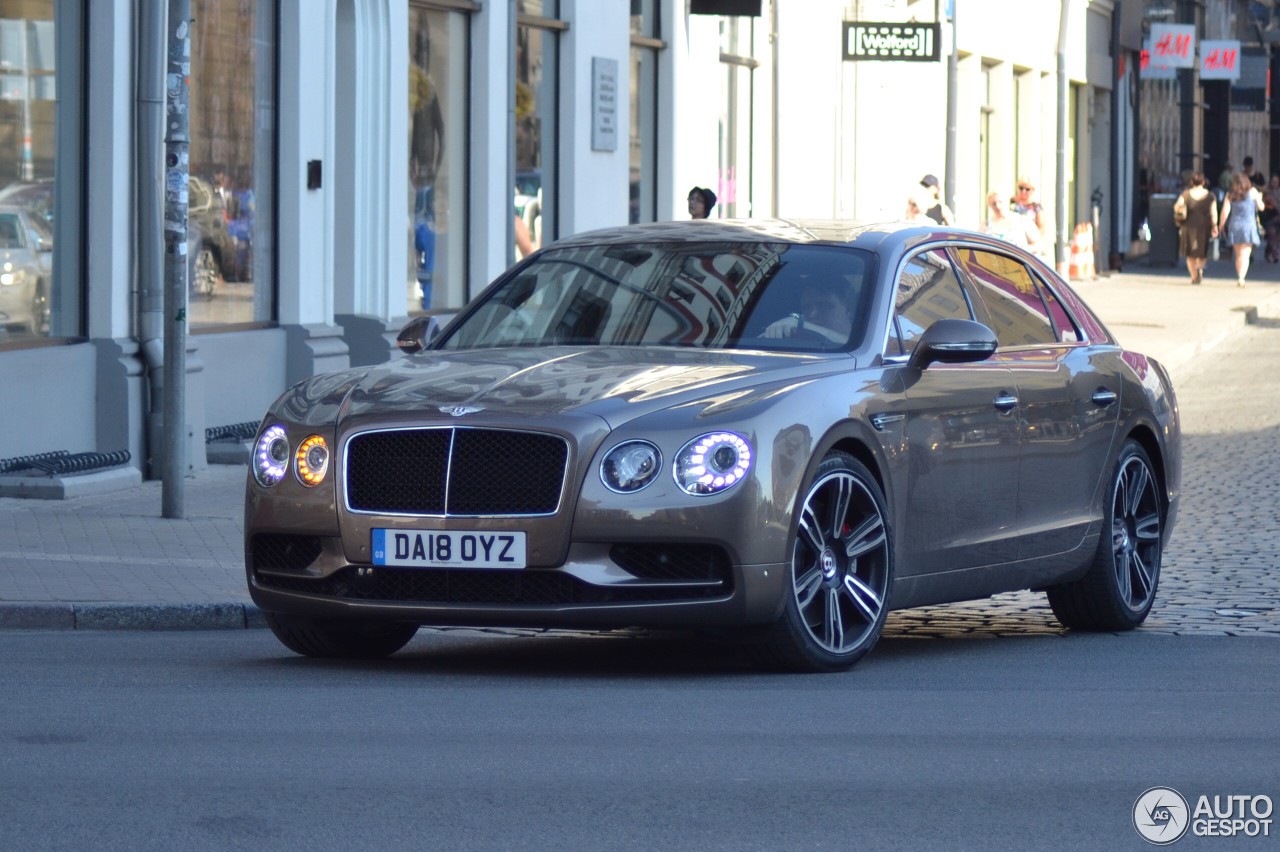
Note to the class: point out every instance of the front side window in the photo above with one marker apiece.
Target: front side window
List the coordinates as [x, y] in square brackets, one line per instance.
[928, 290]
[437, 157]
[230, 200]
[38, 298]
[1008, 291]
[762, 296]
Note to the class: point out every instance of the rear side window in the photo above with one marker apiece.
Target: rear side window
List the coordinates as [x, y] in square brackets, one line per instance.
[928, 290]
[1009, 293]
[1062, 323]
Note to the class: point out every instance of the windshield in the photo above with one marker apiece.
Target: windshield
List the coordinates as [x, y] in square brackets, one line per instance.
[806, 298]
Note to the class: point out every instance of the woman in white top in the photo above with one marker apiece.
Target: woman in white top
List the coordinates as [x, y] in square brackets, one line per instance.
[1010, 227]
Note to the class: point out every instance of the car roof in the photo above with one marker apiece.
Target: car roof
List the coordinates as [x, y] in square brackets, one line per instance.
[871, 235]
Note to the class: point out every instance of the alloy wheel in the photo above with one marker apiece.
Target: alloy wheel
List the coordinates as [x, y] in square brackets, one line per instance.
[840, 563]
[1135, 533]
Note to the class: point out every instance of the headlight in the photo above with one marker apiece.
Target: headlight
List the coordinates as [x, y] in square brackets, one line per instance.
[271, 456]
[631, 466]
[311, 461]
[713, 462]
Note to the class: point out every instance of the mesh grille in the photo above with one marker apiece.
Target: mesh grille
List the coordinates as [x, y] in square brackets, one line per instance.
[704, 562]
[456, 472]
[275, 552]
[446, 586]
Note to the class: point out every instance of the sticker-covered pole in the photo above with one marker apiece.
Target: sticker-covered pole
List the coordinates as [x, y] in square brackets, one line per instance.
[177, 141]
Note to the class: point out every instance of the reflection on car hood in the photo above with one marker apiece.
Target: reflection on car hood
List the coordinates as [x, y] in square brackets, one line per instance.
[613, 383]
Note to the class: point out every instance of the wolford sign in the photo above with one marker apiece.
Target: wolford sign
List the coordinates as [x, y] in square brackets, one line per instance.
[906, 42]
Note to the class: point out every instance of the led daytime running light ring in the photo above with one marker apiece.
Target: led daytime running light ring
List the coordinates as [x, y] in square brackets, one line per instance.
[271, 456]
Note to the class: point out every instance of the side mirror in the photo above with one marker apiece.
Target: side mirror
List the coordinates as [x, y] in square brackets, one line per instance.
[953, 341]
[417, 334]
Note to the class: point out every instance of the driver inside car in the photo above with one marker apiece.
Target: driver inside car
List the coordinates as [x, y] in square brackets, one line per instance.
[824, 311]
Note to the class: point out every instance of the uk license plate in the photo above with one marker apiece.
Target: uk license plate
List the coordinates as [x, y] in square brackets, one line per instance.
[448, 549]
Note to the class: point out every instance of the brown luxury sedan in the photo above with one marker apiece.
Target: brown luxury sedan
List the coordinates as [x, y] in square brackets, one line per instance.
[777, 429]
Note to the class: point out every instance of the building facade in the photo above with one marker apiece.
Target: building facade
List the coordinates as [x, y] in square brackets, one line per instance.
[353, 163]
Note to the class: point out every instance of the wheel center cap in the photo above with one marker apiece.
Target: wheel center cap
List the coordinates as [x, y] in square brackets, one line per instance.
[828, 562]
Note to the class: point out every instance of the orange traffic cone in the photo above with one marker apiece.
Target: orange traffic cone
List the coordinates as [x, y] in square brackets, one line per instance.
[1081, 266]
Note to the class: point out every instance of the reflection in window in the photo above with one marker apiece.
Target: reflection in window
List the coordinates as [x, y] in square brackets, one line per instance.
[928, 291]
[535, 120]
[1010, 295]
[28, 143]
[231, 209]
[437, 157]
[643, 205]
[734, 295]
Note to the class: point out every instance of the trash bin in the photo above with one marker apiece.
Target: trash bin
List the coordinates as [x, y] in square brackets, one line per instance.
[1164, 234]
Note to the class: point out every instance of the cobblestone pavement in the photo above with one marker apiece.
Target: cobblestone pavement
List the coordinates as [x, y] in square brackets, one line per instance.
[1221, 571]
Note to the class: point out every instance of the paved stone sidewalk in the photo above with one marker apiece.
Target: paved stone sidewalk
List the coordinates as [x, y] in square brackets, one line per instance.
[112, 560]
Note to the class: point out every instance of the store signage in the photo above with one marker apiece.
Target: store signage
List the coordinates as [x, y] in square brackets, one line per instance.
[604, 104]
[1149, 69]
[1173, 45]
[904, 42]
[1220, 60]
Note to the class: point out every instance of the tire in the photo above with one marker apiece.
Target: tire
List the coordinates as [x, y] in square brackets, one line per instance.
[340, 638]
[40, 310]
[204, 273]
[841, 573]
[1120, 586]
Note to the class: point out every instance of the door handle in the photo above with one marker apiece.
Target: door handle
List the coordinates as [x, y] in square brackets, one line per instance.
[1005, 401]
[1104, 396]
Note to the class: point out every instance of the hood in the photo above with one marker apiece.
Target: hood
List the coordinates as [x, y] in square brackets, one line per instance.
[615, 384]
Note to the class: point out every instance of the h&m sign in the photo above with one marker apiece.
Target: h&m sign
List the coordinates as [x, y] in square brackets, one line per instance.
[897, 42]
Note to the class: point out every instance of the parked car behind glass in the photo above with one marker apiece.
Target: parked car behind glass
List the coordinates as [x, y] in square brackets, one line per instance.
[26, 270]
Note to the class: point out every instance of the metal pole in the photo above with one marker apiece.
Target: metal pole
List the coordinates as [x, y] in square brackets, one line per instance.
[953, 78]
[177, 142]
[1060, 172]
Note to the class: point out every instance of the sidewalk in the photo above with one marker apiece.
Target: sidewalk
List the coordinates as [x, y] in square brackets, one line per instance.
[111, 561]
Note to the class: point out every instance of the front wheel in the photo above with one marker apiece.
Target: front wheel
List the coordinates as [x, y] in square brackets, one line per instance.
[341, 638]
[841, 572]
[1120, 587]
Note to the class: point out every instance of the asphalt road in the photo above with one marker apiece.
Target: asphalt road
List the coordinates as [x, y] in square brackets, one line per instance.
[221, 740]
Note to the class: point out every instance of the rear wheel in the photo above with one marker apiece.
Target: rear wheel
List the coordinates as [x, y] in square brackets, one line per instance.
[347, 639]
[841, 573]
[1120, 587]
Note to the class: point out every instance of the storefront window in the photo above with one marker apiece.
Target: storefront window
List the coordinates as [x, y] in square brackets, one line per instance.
[535, 119]
[437, 157]
[34, 302]
[231, 204]
[737, 79]
[643, 205]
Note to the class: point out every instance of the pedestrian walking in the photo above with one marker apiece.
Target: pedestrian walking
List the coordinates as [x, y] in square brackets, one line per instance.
[919, 200]
[1239, 222]
[1196, 215]
[701, 200]
[938, 211]
[1025, 204]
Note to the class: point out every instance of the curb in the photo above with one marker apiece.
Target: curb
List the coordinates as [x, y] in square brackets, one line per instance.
[130, 616]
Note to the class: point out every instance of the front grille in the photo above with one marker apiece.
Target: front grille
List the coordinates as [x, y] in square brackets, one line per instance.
[455, 471]
[500, 588]
[278, 552]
